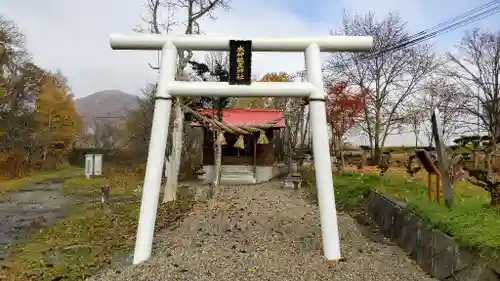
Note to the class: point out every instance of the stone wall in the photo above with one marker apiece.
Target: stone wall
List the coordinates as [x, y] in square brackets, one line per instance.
[434, 251]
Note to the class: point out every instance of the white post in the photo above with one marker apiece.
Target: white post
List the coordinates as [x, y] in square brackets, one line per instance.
[97, 164]
[89, 165]
[156, 155]
[323, 168]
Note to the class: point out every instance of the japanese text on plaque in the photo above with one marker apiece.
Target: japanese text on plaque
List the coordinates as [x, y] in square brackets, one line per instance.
[240, 63]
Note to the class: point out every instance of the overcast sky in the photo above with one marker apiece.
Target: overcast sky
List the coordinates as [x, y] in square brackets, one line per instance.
[74, 35]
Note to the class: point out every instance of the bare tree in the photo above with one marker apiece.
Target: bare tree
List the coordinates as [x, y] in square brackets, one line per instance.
[389, 78]
[415, 118]
[444, 95]
[193, 11]
[213, 59]
[139, 122]
[106, 134]
[13, 52]
[476, 69]
[293, 111]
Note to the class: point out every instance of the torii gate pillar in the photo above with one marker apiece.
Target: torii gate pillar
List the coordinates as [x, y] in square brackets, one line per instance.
[168, 87]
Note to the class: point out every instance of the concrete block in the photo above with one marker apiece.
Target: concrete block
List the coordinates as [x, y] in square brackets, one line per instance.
[442, 265]
[434, 251]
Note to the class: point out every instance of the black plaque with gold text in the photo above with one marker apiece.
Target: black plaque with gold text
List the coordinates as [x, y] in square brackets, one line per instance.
[240, 62]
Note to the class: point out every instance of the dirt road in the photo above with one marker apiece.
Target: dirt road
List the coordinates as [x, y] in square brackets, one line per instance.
[34, 206]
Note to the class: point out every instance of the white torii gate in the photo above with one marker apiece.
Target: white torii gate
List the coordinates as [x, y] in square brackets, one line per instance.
[168, 87]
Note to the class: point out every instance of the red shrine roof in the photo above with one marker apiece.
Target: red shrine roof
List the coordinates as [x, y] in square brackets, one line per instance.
[236, 116]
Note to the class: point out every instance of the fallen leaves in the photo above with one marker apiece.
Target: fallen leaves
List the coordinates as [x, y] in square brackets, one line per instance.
[89, 238]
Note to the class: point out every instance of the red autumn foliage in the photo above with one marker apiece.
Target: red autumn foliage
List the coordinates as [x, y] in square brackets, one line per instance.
[344, 107]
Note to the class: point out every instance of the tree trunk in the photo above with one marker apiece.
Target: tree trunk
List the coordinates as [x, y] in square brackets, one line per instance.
[495, 195]
[48, 139]
[377, 154]
[216, 186]
[300, 128]
[474, 158]
[333, 147]
[288, 148]
[341, 154]
[369, 133]
[44, 154]
[489, 157]
[166, 165]
[217, 170]
[305, 127]
[303, 130]
[376, 137]
[170, 191]
[370, 141]
[177, 149]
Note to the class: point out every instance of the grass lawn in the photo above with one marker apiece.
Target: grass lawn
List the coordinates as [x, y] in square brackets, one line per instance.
[15, 184]
[472, 222]
[350, 188]
[90, 236]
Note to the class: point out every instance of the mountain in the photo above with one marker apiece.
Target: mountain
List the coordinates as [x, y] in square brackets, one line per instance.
[98, 131]
[108, 103]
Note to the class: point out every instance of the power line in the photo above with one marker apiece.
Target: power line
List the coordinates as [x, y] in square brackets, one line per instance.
[441, 31]
[444, 30]
[449, 25]
[423, 32]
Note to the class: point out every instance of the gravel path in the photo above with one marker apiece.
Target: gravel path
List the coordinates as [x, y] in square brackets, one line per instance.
[264, 233]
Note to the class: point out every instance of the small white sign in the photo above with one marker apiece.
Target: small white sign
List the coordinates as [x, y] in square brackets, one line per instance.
[89, 165]
[93, 165]
[97, 164]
